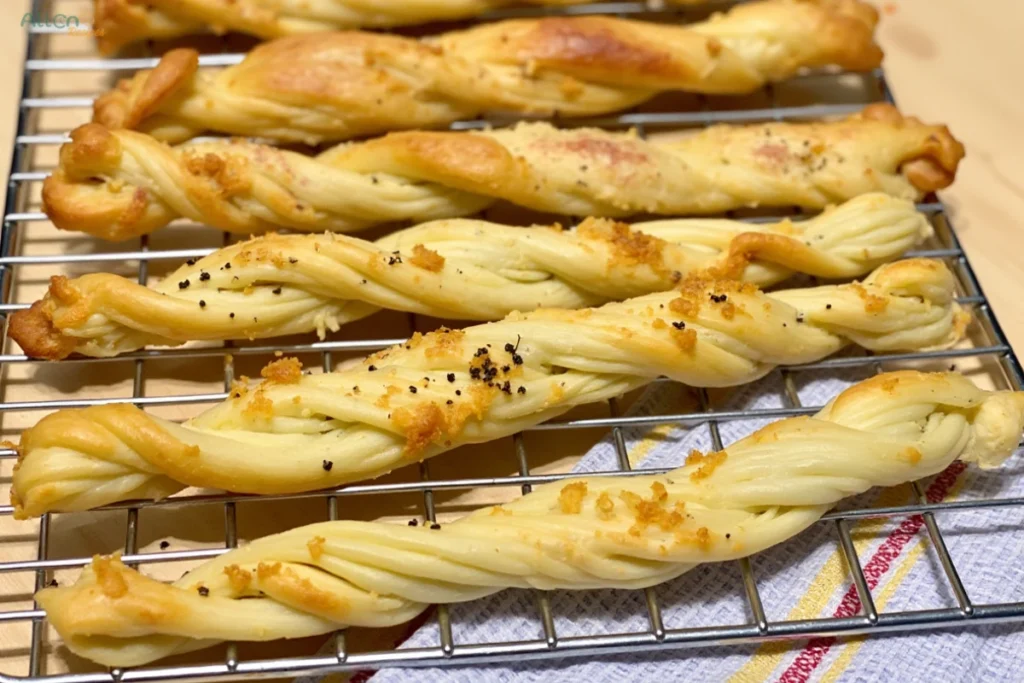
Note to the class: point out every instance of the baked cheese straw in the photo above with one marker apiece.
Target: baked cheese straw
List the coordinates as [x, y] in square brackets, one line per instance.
[587, 533]
[336, 86]
[296, 432]
[120, 22]
[121, 184]
[458, 269]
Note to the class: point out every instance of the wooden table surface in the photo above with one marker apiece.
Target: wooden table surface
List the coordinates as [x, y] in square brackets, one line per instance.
[948, 61]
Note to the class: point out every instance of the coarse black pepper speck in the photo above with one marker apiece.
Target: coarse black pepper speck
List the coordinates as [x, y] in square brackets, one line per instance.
[164, 545]
[828, 307]
[202, 303]
[458, 392]
[231, 315]
[204, 591]
[521, 390]
[190, 262]
[451, 376]
[53, 583]
[372, 368]
[276, 290]
[450, 402]
[292, 260]
[413, 522]
[517, 359]
[184, 284]
[227, 266]
[679, 325]
[435, 526]
[412, 389]
[328, 465]
[509, 348]
[204, 276]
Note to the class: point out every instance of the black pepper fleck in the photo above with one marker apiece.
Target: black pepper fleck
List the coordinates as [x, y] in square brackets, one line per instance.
[435, 526]
[204, 591]
[372, 368]
[164, 545]
[412, 389]
[451, 376]
[328, 465]
[413, 522]
[202, 303]
[521, 390]
[679, 325]
[184, 284]
[276, 290]
[203, 276]
[292, 260]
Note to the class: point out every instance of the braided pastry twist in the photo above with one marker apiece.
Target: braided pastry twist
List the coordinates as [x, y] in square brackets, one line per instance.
[336, 86]
[453, 387]
[120, 184]
[622, 532]
[120, 22]
[456, 269]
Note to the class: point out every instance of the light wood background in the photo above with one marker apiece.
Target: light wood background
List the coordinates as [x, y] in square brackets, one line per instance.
[948, 61]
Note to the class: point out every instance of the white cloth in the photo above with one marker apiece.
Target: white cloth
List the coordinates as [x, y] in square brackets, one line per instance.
[801, 577]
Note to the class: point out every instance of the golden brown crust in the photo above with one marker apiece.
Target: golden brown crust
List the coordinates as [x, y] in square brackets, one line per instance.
[122, 108]
[336, 86]
[35, 333]
[103, 188]
[935, 165]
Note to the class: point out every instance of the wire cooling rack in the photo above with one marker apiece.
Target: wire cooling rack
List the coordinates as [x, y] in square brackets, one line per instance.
[989, 348]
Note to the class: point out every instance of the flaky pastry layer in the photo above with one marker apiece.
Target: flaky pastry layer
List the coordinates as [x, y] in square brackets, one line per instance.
[121, 184]
[296, 432]
[337, 86]
[600, 532]
[454, 269]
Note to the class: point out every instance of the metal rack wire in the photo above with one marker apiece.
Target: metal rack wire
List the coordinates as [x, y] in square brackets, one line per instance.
[991, 344]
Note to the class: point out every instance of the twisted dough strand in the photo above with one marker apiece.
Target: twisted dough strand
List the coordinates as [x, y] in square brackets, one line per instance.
[119, 184]
[456, 269]
[448, 388]
[336, 86]
[120, 22]
[624, 532]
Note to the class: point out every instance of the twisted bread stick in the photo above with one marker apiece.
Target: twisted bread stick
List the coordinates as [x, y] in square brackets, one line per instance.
[119, 22]
[624, 532]
[448, 388]
[119, 184]
[286, 284]
[336, 86]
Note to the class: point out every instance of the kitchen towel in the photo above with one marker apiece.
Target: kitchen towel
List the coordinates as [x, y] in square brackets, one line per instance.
[805, 577]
